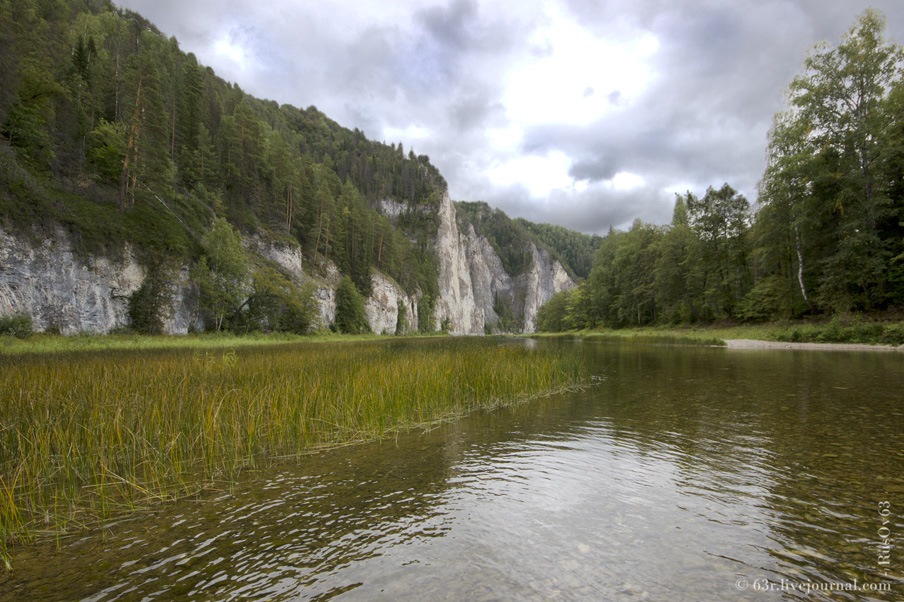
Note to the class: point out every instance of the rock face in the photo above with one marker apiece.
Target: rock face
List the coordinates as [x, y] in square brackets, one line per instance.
[473, 281]
[64, 291]
[286, 256]
[544, 278]
[456, 305]
[386, 300]
[68, 293]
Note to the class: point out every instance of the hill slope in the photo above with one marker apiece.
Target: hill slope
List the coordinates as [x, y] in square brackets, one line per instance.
[119, 153]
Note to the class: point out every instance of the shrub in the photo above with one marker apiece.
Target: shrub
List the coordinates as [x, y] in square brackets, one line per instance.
[17, 325]
[146, 304]
[350, 315]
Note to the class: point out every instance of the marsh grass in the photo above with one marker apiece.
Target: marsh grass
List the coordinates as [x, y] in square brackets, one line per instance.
[85, 436]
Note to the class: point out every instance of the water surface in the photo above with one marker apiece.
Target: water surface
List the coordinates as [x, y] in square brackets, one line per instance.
[682, 474]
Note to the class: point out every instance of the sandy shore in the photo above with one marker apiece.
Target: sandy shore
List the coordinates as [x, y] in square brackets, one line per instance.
[752, 344]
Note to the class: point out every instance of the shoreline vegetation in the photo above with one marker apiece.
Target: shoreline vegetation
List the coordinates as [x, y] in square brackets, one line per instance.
[86, 436]
[856, 331]
[853, 329]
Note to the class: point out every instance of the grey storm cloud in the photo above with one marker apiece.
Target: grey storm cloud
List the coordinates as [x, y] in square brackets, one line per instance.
[437, 72]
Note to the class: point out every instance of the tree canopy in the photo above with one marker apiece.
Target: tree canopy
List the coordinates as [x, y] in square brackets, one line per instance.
[826, 234]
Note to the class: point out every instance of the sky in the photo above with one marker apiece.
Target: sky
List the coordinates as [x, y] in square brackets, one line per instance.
[583, 113]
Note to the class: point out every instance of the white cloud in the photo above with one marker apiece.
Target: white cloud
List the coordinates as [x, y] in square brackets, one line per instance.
[411, 134]
[230, 51]
[540, 175]
[573, 76]
[625, 181]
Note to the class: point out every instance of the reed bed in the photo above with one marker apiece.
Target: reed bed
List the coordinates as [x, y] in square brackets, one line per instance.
[86, 436]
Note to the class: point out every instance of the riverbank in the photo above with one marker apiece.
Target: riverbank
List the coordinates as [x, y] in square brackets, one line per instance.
[862, 333]
[55, 343]
[754, 344]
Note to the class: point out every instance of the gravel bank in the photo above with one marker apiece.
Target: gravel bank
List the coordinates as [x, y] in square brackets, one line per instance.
[752, 344]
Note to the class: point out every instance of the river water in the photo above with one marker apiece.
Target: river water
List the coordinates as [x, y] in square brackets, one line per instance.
[682, 474]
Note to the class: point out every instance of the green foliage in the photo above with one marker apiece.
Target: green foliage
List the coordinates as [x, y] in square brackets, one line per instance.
[350, 315]
[18, 325]
[503, 307]
[222, 274]
[426, 323]
[29, 119]
[720, 221]
[574, 249]
[694, 270]
[107, 150]
[771, 299]
[552, 316]
[831, 196]
[845, 328]
[402, 325]
[509, 239]
[276, 304]
[146, 304]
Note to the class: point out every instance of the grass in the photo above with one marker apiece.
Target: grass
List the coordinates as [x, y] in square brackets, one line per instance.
[840, 329]
[51, 343]
[88, 435]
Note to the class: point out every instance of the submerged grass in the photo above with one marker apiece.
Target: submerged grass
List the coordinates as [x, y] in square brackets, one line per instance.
[84, 436]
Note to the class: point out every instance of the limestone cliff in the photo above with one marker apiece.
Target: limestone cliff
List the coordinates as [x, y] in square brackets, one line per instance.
[473, 281]
[543, 279]
[44, 278]
[456, 305]
[63, 291]
[386, 300]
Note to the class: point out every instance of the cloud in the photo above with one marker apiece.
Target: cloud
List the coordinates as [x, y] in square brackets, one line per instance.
[538, 108]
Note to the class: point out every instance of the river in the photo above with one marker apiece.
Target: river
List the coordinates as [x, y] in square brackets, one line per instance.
[682, 473]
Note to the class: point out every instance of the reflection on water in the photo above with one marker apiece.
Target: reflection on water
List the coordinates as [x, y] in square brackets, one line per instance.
[684, 474]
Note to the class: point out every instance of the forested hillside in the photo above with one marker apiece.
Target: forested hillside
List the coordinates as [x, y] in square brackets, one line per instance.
[825, 236]
[110, 130]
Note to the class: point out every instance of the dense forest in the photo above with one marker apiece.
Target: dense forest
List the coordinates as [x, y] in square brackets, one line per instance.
[825, 236]
[109, 129]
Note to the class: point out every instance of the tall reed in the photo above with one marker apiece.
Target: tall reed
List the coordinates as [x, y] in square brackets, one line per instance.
[84, 436]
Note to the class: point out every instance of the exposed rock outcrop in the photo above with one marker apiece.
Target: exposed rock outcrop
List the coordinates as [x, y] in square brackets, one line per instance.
[386, 299]
[473, 280]
[62, 291]
[543, 279]
[456, 305]
[286, 255]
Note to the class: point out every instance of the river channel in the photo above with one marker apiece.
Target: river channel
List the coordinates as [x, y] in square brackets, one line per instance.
[683, 473]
